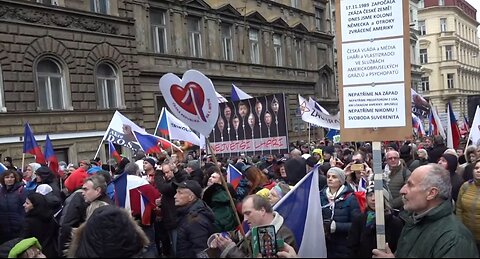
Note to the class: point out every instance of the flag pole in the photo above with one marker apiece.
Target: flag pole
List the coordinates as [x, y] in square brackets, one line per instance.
[23, 161]
[224, 183]
[378, 187]
[98, 150]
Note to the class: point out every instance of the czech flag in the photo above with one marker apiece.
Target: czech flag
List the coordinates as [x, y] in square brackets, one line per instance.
[162, 126]
[136, 195]
[301, 210]
[154, 145]
[453, 132]
[238, 94]
[30, 145]
[113, 152]
[233, 176]
[51, 158]
[435, 124]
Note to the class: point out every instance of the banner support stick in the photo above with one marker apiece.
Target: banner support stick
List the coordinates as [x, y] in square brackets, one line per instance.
[224, 183]
[378, 187]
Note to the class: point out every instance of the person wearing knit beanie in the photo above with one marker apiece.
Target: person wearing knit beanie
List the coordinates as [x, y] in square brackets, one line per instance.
[150, 161]
[450, 162]
[339, 173]
[277, 193]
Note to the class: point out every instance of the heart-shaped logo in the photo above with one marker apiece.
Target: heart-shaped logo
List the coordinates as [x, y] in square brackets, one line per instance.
[191, 99]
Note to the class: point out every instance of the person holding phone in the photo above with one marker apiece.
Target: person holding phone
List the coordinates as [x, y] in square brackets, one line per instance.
[257, 211]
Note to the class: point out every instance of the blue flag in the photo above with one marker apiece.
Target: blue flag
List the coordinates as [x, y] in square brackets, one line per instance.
[306, 223]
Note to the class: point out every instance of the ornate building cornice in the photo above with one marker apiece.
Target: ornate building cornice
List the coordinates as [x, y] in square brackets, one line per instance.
[46, 17]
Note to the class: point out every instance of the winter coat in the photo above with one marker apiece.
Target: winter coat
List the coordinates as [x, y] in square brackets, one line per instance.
[195, 224]
[468, 207]
[437, 234]
[362, 239]
[397, 178]
[242, 248]
[196, 175]
[12, 213]
[168, 190]
[217, 199]
[110, 232]
[436, 152]
[73, 214]
[345, 210]
[296, 169]
[39, 223]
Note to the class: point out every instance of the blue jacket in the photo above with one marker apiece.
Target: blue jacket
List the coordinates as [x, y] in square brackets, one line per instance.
[12, 214]
[345, 210]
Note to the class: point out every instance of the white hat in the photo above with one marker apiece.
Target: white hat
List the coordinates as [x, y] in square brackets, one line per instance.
[306, 156]
[44, 189]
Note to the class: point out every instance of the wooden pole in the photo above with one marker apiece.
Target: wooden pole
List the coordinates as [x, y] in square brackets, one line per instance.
[23, 161]
[378, 187]
[224, 183]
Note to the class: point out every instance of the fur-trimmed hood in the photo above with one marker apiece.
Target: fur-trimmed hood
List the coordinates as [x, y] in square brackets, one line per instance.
[109, 232]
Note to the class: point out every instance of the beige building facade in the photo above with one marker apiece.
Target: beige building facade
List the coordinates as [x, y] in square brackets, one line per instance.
[449, 55]
[66, 66]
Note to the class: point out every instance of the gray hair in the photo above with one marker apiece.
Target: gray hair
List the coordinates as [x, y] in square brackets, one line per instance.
[132, 168]
[98, 181]
[439, 178]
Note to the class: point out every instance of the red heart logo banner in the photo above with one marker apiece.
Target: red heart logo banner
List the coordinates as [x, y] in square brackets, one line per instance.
[191, 99]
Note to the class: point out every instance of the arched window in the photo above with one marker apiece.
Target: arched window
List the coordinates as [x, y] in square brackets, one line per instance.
[108, 86]
[52, 92]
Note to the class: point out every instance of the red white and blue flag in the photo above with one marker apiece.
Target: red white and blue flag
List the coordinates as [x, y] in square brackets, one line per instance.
[154, 145]
[30, 145]
[137, 195]
[233, 176]
[3, 168]
[435, 124]
[113, 152]
[51, 158]
[238, 94]
[453, 132]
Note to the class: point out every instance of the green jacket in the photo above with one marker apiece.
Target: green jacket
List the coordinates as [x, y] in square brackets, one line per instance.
[217, 199]
[437, 234]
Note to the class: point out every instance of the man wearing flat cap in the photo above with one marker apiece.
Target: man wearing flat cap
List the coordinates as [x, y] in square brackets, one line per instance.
[195, 220]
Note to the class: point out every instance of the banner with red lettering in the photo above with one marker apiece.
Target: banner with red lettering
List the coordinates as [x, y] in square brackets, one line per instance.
[253, 126]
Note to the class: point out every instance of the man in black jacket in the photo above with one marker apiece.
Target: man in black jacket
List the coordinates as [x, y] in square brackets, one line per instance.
[195, 220]
[164, 181]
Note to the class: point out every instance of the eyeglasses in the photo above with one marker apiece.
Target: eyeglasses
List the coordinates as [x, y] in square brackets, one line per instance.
[393, 158]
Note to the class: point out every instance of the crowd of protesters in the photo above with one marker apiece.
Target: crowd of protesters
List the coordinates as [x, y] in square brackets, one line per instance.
[79, 214]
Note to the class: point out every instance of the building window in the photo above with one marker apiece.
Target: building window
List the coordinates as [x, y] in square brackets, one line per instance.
[108, 87]
[254, 46]
[441, 2]
[99, 6]
[422, 27]
[449, 52]
[295, 3]
[194, 36]
[319, 19]
[324, 86]
[423, 56]
[450, 81]
[159, 31]
[443, 24]
[2, 94]
[52, 90]
[277, 48]
[425, 83]
[227, 42]
[298, 53]
[48, 2]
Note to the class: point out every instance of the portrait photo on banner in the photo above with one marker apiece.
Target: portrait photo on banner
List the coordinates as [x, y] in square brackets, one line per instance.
[252, 126]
